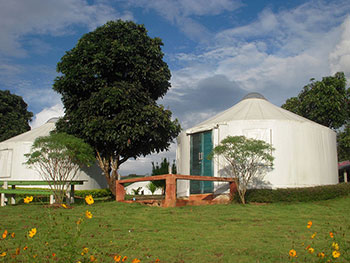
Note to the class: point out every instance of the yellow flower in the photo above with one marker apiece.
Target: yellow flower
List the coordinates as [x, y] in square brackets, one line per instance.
[3, 254]
[25, 248]
[335, 246]
[124, 258]
[331, 234]
[117, 258]
[64, 206]
[313, 235]
[4, 235]
[18, 250]
[336, 254]
[85, 251]
[89, 200]
[321, 255]
[92, 258]
[135, 260]
[28, 199]
[88, 214]
[13, 235]
[309, 224]
[311, 250]
[292, 253]
[78, 221]
[32, 232]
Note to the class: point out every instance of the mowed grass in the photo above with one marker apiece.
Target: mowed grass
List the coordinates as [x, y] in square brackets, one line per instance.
[213, 233]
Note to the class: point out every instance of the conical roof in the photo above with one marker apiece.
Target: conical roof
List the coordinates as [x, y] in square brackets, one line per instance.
[30, 136]
[253, 106]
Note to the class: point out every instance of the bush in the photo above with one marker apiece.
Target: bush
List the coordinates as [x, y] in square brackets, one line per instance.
[307, 194]
[152, 187]
[95, 193]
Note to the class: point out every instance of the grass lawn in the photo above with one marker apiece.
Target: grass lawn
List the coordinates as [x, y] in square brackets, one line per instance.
[216, 233]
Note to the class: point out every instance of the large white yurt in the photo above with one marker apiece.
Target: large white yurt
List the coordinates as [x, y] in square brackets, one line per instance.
[12, 167]
[305, 152]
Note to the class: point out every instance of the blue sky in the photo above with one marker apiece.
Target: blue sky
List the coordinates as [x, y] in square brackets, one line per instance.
[217, 50]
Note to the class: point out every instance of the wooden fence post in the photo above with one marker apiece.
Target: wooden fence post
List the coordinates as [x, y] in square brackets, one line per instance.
[233, 190]
[170, 191]
[120, 191]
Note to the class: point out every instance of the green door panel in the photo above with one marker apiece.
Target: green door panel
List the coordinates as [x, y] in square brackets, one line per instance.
[196, 163]
[207, 164]
[201, 147]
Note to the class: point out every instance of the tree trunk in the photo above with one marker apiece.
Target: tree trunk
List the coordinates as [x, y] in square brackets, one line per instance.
[110, 171]
[111, 184]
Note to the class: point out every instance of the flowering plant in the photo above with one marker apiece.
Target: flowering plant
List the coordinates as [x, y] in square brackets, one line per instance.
[61, 243]
[326, 249]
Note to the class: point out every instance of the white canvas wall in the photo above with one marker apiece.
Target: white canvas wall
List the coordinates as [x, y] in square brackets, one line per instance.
[12, 160]
[305, 154]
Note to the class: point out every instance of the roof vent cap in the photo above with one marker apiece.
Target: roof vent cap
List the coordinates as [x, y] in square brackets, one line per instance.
[254, 95]
[53, 120]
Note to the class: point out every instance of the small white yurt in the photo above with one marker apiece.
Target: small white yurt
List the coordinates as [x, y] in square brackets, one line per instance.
[305, 152]
[12, 167]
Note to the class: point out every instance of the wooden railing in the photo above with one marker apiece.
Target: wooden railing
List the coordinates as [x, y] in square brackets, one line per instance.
[170, 182]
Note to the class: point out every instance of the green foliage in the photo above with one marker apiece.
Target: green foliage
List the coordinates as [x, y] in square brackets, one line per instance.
[152, 187]
[163, 168]
[95, 193]
[136, 191]
[14, 116]
[245, 158]
[110, 83]
[307, 194]
[57, 158]
[343, 139]
[325, 102]
[173, 168]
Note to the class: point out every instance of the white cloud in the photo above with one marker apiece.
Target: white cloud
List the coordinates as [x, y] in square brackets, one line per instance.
[276, 55]
[177, 9]
[339, 58]
[20, 18]
[143, 165]
[46, 114]
[182, 13]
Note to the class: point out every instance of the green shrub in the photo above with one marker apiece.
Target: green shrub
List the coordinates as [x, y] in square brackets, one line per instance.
[152, 187]
[96, 193]
[307, 194]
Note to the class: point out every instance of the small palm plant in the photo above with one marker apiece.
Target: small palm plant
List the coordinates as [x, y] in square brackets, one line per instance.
[152, 187]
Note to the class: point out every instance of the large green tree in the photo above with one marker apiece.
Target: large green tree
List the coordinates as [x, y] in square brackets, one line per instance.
[110, 82]
[14, 116]
[325, 101]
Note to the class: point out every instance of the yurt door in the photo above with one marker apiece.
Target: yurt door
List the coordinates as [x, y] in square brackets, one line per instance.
[201, 147]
